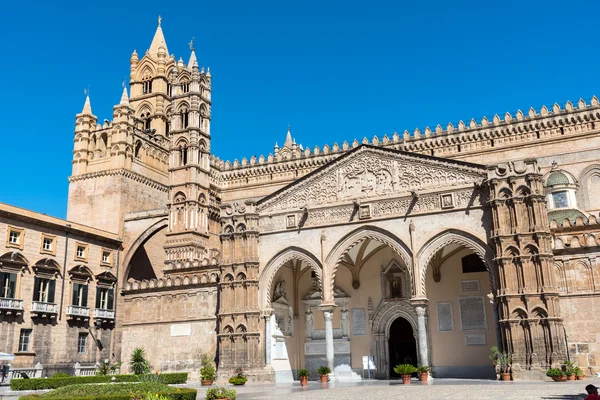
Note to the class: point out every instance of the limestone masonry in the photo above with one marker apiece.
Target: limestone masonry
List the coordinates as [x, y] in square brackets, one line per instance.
[426, 247]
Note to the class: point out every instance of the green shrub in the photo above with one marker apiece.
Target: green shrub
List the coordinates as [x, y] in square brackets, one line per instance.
[405, 369]
[53, 383]
[125, 391]
[323, 370]
[139, 364]
[220, 393]
[555, 372]
[61, 375]
[303, 373]
[423, 369]
[239, 378]
[207, 373]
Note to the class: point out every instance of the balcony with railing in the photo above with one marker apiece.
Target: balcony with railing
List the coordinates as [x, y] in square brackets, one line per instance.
[11, 306]
[43, 309]
[78, 312]
[104, 315]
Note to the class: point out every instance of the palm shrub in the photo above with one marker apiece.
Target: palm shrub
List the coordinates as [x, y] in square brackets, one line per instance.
[405, 369]
[105, 368]
[423, 369]
[323, 370]
[139, 364]
[303, 373]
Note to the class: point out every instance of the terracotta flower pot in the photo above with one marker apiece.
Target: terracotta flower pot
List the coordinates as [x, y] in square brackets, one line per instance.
[580, 378]
[206, 383]
[406, 379]
[304, 380]
[559, 378]
[571, 377]
[423, 376]
[505, 376]
[324, 378]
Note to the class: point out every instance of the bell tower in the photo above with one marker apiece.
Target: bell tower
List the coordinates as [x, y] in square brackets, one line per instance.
[188, 235]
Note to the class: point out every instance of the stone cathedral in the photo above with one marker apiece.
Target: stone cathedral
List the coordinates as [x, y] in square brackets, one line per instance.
[426, 247]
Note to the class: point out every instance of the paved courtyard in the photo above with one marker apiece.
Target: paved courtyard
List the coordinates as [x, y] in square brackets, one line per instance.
[439, 389]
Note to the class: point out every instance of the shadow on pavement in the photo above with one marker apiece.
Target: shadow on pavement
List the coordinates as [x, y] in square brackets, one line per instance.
[566, 397]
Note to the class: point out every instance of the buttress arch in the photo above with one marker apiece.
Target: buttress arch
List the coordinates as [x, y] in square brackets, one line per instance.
[268, 273]
[147, 234]
[465, 239]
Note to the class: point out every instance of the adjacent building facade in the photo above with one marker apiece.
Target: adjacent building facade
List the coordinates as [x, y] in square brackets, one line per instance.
[426, 247]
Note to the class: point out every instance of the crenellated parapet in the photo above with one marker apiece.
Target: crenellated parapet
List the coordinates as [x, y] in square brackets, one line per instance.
[453, 141]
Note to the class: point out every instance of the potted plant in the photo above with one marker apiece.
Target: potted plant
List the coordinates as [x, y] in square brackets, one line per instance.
[303, 375]
[423, 372]
[208, 373]
[556, 374]
[239, 378]
[579, 374]
[324, 372]
[502, 361]
[405, 371]
[220, 393]
[569, 370]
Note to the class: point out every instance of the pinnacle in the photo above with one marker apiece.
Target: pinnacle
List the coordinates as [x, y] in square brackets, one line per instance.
[193, 61]
[288, 138]
[124, 98]
[87, 107]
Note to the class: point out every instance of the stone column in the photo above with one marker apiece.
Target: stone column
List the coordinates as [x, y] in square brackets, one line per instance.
[422, 334]
[267, 317]
[329, 355]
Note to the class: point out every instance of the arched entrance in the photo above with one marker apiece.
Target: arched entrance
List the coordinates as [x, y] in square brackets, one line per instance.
[402, 344]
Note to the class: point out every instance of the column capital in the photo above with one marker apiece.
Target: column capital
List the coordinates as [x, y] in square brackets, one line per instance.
[327, 308]
[266, 314]
[419, 302]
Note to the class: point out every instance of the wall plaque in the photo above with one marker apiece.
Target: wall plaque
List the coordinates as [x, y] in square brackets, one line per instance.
[475, 339]
[472, 313]
[469, 286]
[445, 317]
[181, 329]
[359, 326]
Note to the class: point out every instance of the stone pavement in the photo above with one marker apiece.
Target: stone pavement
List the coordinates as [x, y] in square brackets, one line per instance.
[454, 389]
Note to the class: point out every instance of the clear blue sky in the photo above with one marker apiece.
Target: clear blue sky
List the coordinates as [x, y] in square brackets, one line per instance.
[334, 70]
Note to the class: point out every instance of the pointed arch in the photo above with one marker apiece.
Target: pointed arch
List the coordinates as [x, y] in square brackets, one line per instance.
[462, 238]
[336, 255]
[268, 273]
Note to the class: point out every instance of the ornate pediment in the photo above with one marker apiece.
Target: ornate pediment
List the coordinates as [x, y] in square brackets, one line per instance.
[372, 172]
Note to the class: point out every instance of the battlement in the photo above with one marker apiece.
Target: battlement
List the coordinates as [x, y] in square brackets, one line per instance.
[452, 141]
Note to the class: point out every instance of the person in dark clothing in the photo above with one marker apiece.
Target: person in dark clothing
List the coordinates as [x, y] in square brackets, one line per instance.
[592, 392]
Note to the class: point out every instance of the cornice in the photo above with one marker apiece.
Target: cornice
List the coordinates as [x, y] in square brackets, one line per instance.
[124, 173]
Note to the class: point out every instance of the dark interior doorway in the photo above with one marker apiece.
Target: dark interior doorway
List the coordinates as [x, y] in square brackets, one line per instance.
[402, 345]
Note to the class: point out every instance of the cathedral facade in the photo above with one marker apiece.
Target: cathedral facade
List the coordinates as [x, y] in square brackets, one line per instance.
[426, 247]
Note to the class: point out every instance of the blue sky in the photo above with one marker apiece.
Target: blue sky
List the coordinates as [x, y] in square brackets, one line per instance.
[333, 70]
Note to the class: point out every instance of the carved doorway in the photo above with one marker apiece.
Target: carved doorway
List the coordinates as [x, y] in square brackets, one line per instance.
[402, 345]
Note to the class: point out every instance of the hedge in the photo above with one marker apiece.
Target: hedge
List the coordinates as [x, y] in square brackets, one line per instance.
[53, 383]
[182, 394]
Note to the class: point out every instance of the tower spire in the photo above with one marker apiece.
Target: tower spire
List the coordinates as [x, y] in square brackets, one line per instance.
[158, 40]
[87, 107]
[288, 139]
[124, 97]
[193, 59]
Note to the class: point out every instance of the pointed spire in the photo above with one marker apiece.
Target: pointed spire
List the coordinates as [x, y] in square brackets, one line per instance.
[158, 40]
[288, 139]
[124, 97]
[87, 108]
[193, 61]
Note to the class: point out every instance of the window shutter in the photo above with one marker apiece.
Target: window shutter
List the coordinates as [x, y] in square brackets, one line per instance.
[84, 296]
[110, 302]
[12, 284]
[36, 289]
[51, 287]
[75, 298]
[98, 294]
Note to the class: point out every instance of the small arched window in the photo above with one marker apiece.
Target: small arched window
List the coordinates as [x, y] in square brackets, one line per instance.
[147, 86]
[185, 87]
[185, 116]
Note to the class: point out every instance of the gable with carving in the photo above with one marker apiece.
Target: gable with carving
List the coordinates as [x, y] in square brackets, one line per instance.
[369, 172]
